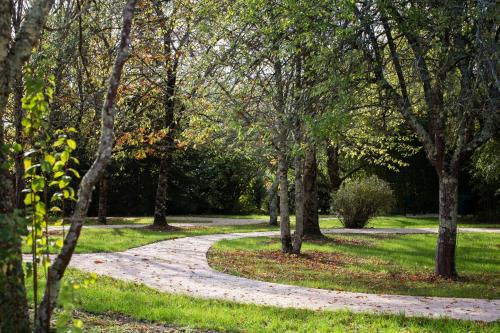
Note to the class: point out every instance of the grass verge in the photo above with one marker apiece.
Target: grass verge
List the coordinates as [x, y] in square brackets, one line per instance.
[114, 240]
[142, 303]
[390, 264]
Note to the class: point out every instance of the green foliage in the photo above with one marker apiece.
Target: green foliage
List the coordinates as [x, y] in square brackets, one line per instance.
[359, 200]
[486, 163]
[48, 174]
[485, 173]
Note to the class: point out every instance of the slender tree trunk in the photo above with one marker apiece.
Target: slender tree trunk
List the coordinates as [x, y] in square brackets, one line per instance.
[273, 202]
[91, 177]
[103, 199]
[333, 167]
[161, 193]
[286, 239]
[311, 218]
[18, 162]
[448, 207]
[299, 204]
[169, 107]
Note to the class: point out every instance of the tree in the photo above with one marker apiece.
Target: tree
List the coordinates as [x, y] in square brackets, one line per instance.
[13, 54]
[436, 63]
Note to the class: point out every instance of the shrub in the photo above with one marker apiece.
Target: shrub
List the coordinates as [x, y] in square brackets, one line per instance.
[357, 201]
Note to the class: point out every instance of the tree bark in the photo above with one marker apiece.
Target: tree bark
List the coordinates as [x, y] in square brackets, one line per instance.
[311, 218]
[446, 244]
[161, 193]
[14, 315]
[286, 239]
[171, 63]
[103, 199]
[273, 202]
[61, 262]
[299, 204]
[13, 54]
[333, 167]
[18, 158]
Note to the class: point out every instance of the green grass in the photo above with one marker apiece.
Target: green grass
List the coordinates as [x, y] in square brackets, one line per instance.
[142, 303]
[394, 264]
[114, 240]
[327, 221]
[407, 222]
[234, 216]
[91, 221]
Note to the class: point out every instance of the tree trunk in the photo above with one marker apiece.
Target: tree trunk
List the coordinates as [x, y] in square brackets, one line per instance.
[333, 167]
[18, 159]
[91, 177]
[14, 315]
[286, 239]
[273, 202]
[446, 245]
[161, 193]
[103, 199]
[169, 124]
[311, 218]
[299, 204]
[13, 301]
[13, 54]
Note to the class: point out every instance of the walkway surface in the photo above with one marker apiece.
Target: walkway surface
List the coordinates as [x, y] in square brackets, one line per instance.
[180, 266]
[177, 221]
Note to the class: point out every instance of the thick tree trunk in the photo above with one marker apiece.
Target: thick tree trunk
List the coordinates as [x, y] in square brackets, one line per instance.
[13, 301]
[299, 204]
[273, 202]
[103, 199]
[13, 54]
[447, 239]
[286, 239]
[91, 177]
[14, 315]
[311, 218]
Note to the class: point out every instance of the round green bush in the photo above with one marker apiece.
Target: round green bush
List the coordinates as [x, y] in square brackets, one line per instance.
[358, 200]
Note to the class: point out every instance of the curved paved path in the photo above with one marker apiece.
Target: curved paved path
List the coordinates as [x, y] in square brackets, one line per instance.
[180, 266]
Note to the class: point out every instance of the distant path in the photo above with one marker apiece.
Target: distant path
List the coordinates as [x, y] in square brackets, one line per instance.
[198, 221]
[180, 266]
[202, 221]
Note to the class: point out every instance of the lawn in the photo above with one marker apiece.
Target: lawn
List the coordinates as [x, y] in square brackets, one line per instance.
[114, 240]
[326, 221]
[406, 222]
[141, 303]
[392, 264]
[91, 221]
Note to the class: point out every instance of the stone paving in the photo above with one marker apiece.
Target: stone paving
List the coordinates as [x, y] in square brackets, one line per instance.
[180, 266]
